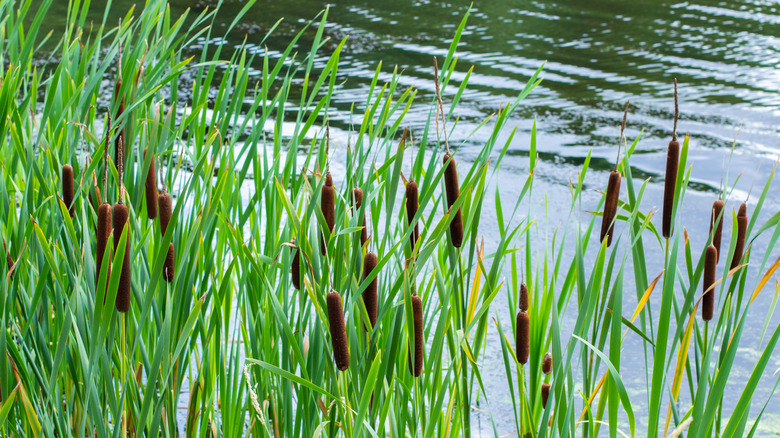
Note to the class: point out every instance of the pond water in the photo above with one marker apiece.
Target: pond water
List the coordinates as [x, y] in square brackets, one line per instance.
[600, 53]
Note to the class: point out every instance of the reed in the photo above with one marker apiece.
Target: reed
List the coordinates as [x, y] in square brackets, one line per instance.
[522, 340]
[169, 264]
[328, 206]
[103, 234]
[710, 267]
[165, 211]
[67, 188]
[547, 363]
[545, 394]
[610, 207]
[370, 297]
[151, 189]
[412, 204]
[419, 342]
[453, 192]
[670, 179]
[123, 294]
[716, 223]
[338, 331]
[742, 224]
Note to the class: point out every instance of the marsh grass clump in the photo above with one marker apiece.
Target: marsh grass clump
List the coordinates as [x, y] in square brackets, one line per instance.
[328, 206]
[742, 224]
[338, 330]
[452, 187]
[67, 188]
[412, 204]
[370, 297]
[716, 223]
[710, 266]
[151, 189]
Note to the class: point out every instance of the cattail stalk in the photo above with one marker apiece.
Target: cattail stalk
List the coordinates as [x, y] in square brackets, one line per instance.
[742, 223]
[123, 294]
[357, 202]
[453, 192]
[169, 264]
[716, 223]
[522, 341]
[419, 343]
[412, 204]
[610, 207]
[151, 189]
[670, 181]
[546, 387]
[370, 293]
[67, 188]
[328, 206]
[338, 331]
[120, 153]
[708, 299]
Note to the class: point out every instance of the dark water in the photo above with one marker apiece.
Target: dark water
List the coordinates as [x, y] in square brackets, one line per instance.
[725, 55]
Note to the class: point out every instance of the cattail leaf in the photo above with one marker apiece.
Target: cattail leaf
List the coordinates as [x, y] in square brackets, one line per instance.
[291, 377]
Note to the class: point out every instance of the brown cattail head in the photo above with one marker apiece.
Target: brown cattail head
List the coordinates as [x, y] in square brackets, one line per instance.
[419, 343]
[672, 162]
[8, 259]
[123, 293]
[67, 188]
[453, 192]
[170, 263]
[357, 199]
[742, 223]
[522, 341]
[338, 331]
[328, 206]
[708, 300]
[164, 203]
[370, 294]
[610, 207]
[412, 204]
[716, 221]
[103, 234]
[295, 269]
[151, 189]
[547, 363]
[523, 300]
[545, 394]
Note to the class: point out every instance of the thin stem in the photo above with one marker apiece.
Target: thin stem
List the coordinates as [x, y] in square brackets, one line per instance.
[676, 111]
[440, 107]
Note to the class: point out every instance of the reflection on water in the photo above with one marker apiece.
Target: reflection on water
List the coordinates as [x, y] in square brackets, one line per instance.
[600, 53]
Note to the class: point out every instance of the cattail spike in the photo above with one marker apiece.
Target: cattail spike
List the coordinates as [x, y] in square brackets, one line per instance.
[710, 266]
[716, 222]
[522, 341]
[523, 300]
[547, 364]
[123, 294]
[165, 210]
[742, 224]
[610, 207]
[412, 204]
[338, 331]
[151, 189]
[295, 269]
[103, 234]
[9, 261]
[370, 294]
[545, 394]
[67, 188]
[419, 343]
[672, 162]
[453, 192]
[328, 206]
[170, 264]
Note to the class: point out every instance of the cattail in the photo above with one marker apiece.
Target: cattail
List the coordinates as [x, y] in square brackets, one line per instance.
[120, 215]
[522, 342]
[547, 363]
[151, 190]
[523, 301]
[717, 221]
[328, 206]
[164, 203]
[338, 331]
[103, 233]
[453, 192]
[370, 294]
[120, 152]
[295, 269]
[8, 259]
[545, 394]
[672, 162]
[412, 204]
[170, 263]
[357, 197]
[610, 206]
[708, 300]
[67, 188]
[419, 345]
[742, 223]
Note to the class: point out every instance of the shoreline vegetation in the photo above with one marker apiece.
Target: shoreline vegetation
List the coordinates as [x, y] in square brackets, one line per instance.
[175, 268]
